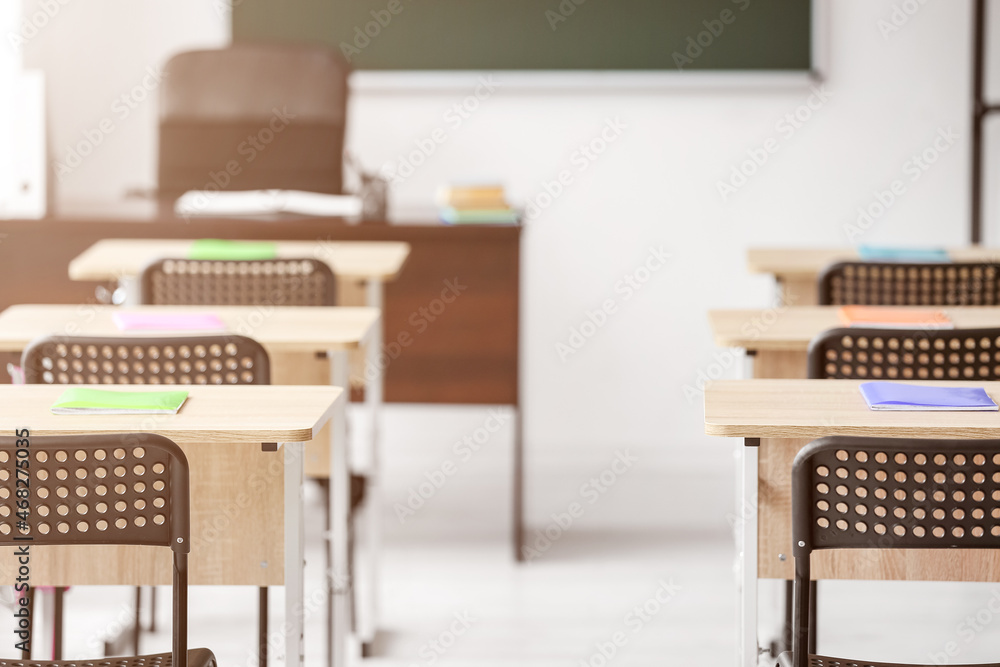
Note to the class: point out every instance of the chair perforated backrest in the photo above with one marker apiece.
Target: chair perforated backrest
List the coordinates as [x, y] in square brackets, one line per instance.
[253, 116]
[921, 494]
[112, 489]
[906, 354]
[889, 493]
[910, 284]
[271, 282]
[214, 359]
[119, 489]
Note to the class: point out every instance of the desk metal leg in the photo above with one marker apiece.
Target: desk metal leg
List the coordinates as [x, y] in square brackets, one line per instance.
[366, 592]
[518, 490]
[747, 650]
[294, 555]
[339, 511]
[132, 287]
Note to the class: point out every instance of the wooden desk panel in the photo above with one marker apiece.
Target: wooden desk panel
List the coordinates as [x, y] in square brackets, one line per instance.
[237, 506]
[797, 269]
[787, 415]
[112, 259]
[281, 330]
[437, 367]
[814, 408]
[292, 337]
[791, 329]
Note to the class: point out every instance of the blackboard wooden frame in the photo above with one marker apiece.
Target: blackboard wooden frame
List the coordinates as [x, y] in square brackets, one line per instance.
[631, 79]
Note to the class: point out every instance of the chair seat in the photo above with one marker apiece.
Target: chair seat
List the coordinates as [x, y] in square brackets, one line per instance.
[827, 661]
[197, 657]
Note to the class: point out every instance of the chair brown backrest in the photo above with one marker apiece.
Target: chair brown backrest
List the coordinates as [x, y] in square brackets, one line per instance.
[889, 493]
[262, 282]
[910, 284]
[858, 353]
[213, 359]
[253, 116]
[100, 489]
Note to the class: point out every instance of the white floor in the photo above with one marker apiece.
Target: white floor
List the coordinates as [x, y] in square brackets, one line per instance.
[641, 590]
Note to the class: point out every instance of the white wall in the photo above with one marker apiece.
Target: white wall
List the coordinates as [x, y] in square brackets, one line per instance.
[656, 185]
[95, 51]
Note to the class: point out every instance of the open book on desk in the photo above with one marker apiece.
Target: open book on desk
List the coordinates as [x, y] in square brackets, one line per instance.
[267, 202]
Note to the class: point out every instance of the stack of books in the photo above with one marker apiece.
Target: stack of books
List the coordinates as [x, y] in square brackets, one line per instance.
[465, 204]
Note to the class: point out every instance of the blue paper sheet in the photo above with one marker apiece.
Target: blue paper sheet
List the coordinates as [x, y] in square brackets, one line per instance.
[900, 396]
[890, 254]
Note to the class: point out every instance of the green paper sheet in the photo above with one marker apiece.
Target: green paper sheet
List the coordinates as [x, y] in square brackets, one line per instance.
[232, 250]
[83, 400]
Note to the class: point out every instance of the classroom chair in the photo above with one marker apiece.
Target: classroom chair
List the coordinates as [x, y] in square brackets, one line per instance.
[252, 117]
[910, 284]
[905, 354]
[857, 353]
[154, 478]
[210, 359]
[261, 282]
[885, 493]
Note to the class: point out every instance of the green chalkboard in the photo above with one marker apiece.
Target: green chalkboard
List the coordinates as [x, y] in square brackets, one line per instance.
[768, 35]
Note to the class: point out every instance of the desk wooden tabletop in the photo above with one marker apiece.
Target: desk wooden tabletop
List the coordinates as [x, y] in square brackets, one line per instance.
[803, 262]
[277, 328]
[816, 408]
[111, 259]
[792, 328]
[211, 414]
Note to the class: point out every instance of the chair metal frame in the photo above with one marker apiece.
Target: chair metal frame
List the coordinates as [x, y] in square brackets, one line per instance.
[886, 493]
[121, 489]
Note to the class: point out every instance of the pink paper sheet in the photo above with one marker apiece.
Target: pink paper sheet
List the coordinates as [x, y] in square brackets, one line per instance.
[163, 321]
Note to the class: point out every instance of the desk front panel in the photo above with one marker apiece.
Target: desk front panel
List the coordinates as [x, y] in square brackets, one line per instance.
[237, 531]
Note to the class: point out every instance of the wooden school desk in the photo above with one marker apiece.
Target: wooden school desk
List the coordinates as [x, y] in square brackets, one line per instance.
[776, 418]
[778, 338]
[361, 268]
[469, 356]
[293, 337]
[796, 270]
[236, 529]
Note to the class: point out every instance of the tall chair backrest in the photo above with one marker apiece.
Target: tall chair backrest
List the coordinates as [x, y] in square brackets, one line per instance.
[214, 359]
[910, 284]
[120, 489]
[888, 493]
[253, 116]
[272, 282]
[906, 354]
